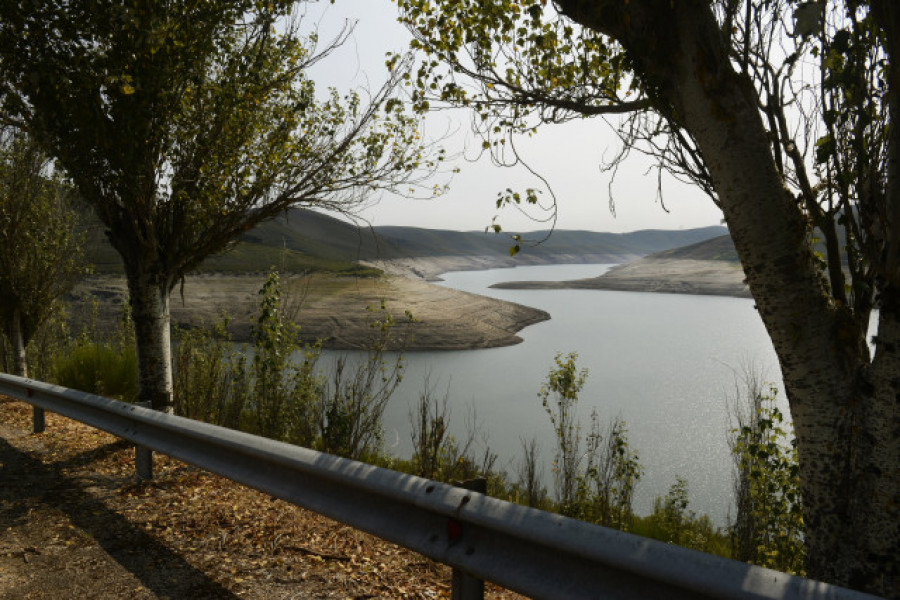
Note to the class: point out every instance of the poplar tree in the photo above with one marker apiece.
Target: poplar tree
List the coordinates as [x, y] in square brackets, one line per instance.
[184, 124]
[784, 112]
[40, 248]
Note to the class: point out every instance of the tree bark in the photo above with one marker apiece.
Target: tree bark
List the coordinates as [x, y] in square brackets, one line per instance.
[19, 344]
[844, 413]
[150, 312]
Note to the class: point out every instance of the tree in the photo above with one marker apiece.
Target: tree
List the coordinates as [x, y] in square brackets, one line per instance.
[40, 252]
[781, 112]
[185, 124]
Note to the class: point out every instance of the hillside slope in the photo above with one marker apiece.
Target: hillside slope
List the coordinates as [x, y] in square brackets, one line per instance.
[304, 240]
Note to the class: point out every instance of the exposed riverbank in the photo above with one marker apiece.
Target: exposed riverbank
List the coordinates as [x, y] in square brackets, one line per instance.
[663, 275]
[431, 267]
[337, 310]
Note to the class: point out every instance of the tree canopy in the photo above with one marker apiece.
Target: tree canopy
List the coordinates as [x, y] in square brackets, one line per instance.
[184, 124]
[781, 112]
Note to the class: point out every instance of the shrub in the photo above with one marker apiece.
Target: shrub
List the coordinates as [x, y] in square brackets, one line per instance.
[672, 522]
[602, 490]
[559, 396]
[103, 368]
[613, 471]
[355, 396]
[768, 527]
[212, 383]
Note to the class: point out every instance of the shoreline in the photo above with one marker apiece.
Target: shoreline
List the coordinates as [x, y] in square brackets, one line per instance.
[656, 275]
[430, 268]
[340, 311]
[337, 310]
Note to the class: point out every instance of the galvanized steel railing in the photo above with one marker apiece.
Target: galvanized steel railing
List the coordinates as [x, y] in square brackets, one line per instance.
[539, 554]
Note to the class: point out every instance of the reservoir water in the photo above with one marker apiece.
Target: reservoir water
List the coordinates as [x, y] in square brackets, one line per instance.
[665, 363]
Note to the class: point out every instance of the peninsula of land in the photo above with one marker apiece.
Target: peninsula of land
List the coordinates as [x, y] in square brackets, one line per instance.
[670, 276]
[340, 310]
[708, 268]
[338, 279]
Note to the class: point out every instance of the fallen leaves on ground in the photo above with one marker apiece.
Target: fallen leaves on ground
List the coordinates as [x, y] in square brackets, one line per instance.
[238, 539]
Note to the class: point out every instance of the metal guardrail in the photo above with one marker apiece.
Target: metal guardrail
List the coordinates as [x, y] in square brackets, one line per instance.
[539, 554]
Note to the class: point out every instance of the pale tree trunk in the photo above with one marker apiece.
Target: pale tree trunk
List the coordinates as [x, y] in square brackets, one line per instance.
[150, 312]
[20, 365]
[844, 413]
[18, 343]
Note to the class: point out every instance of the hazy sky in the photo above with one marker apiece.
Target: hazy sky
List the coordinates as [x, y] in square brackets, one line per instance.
[568, 156]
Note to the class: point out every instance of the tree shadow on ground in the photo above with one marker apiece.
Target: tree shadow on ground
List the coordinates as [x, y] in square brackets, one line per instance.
[26, 483]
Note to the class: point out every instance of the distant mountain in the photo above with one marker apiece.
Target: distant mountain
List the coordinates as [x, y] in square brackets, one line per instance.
[417, 242]
[303, 240]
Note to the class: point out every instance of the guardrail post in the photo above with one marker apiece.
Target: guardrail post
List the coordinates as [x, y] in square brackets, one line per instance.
[143, 456]
[37, 420]
[465, 586]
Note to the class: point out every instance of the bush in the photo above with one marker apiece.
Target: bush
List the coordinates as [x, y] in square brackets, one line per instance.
[768, 527]
[440, 456]
[354, 397]
[211, 379]
[559, 396]
[102, 368]
[602, 490]
[280, 392]
[672, 522]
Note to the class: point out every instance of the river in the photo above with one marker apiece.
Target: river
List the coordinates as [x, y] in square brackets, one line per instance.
[665, 363]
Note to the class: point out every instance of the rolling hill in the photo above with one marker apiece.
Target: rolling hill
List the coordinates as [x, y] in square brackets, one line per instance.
[304, 240]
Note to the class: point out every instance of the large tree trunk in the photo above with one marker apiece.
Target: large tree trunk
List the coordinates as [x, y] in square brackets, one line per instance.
[845, 417]
[150, 311]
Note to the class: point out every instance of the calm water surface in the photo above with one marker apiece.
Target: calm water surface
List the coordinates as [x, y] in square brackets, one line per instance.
[665, 363]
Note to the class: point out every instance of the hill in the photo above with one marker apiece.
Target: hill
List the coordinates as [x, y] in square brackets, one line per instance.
[718, 248]
[304, 240]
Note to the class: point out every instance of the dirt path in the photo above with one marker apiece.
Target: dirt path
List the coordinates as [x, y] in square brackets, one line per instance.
[73, 524]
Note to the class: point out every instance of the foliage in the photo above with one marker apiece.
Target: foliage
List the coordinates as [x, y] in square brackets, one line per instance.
[99, 368]
[768, 528]
[184, 125]
[211, 376]
[781, 111]
[512, 59]
[613, 470]
[530, 474]
[441, 456]
[40, 249]
[42, 351]
[102, 366]
[601, 488]
[283, 392]
[559, 396]
[429, 434]
[352, 404]
[672, 522]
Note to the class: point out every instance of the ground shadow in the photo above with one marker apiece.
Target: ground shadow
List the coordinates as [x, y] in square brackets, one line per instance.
[26, 482]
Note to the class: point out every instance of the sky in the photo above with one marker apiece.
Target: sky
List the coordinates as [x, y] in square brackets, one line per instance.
[569, 156]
